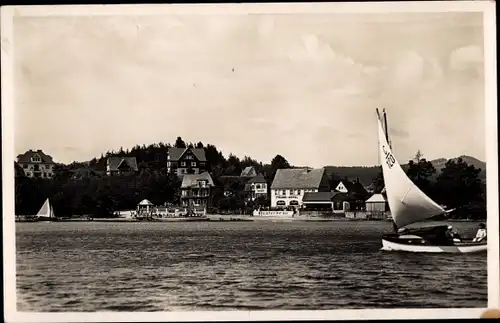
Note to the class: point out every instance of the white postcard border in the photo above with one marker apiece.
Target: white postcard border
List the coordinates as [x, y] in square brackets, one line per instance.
[7, 14]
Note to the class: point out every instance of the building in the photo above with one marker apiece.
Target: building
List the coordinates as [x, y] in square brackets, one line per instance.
[121, 166]
[376, 206]
[196, 189]
[347, 186]
[36, 164]
[290, 185]
[18, 170]
[318, 201]
[183, 161]
[249, 172]
[255, 187]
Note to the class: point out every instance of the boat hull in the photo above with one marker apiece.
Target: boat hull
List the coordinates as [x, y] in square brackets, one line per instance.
[467, 247]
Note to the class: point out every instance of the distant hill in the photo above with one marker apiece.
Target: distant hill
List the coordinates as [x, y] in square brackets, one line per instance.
[367, 173]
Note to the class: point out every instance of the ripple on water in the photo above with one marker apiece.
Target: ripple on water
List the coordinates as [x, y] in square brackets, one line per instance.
[235, 266]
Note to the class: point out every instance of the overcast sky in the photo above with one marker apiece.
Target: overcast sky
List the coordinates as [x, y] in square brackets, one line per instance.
[304, 85]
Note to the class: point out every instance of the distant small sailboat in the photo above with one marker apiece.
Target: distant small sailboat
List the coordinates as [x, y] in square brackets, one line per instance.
[409, 205]
[46, 212]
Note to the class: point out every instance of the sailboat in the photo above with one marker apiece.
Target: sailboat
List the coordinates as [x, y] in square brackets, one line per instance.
[409, 205]
[46, 212]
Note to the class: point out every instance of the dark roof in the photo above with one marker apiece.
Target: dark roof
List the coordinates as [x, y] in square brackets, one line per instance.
[257, 179]
[176, 153]
[191, 180]
[117, 162]
[26, 157]
[297, 178]
[249, 172]
[318, 196]
[352, 187]
[338, 196]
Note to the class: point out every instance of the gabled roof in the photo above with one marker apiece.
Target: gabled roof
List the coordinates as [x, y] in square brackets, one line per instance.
[26, 157]
[176, 153]
[352, 187]
[376, 198]
[298, 178]
[249, 172]
[191, 180]
[318, 196]
[257, 179]
[115, 163]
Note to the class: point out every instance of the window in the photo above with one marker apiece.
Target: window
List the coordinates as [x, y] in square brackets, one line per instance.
[284, 192]
[193, 164]
[183, 163]
[36, 167]
[257, 186]
[36, 159]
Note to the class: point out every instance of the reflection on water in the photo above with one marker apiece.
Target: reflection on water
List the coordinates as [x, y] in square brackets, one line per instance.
[235, 266]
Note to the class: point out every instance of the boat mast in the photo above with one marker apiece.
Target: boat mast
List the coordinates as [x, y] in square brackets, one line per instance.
[386, 129]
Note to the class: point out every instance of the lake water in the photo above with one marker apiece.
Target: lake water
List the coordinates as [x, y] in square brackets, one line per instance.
[92, 266]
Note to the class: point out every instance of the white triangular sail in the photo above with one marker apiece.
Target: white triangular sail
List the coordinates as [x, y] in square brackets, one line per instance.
[408, 204]
[46, 210]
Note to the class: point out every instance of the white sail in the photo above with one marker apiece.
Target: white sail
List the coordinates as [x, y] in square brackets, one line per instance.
[408, 204]
[46, 210]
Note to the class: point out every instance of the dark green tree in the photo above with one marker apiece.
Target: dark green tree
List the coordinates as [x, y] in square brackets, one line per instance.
[420, 171]
[458, 184]
[378, 182]
[179, 143]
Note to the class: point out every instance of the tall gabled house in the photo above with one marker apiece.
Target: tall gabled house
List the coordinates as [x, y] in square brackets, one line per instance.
[182, 161]
[256, 187]
[196, 189]
[36, 164]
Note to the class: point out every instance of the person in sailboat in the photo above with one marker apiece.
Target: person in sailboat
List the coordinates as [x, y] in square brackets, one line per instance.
[452, 235]
[481, 233]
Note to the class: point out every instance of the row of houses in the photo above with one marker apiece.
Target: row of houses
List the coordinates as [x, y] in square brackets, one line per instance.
[180, 161]
[297, 188]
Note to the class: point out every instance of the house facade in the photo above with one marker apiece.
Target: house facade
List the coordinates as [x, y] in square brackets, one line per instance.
[290, 185]
[36, 164]
[196, 189]
[121, 166]
[256, 187]
[182, 161]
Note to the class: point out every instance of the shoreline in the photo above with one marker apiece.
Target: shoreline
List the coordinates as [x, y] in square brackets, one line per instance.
[235, 218]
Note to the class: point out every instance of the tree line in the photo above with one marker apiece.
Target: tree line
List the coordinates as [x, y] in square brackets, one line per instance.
[84, 188]
[457, 185]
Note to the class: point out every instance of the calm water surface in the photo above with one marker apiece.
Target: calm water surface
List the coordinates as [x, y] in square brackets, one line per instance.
[72, 266]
